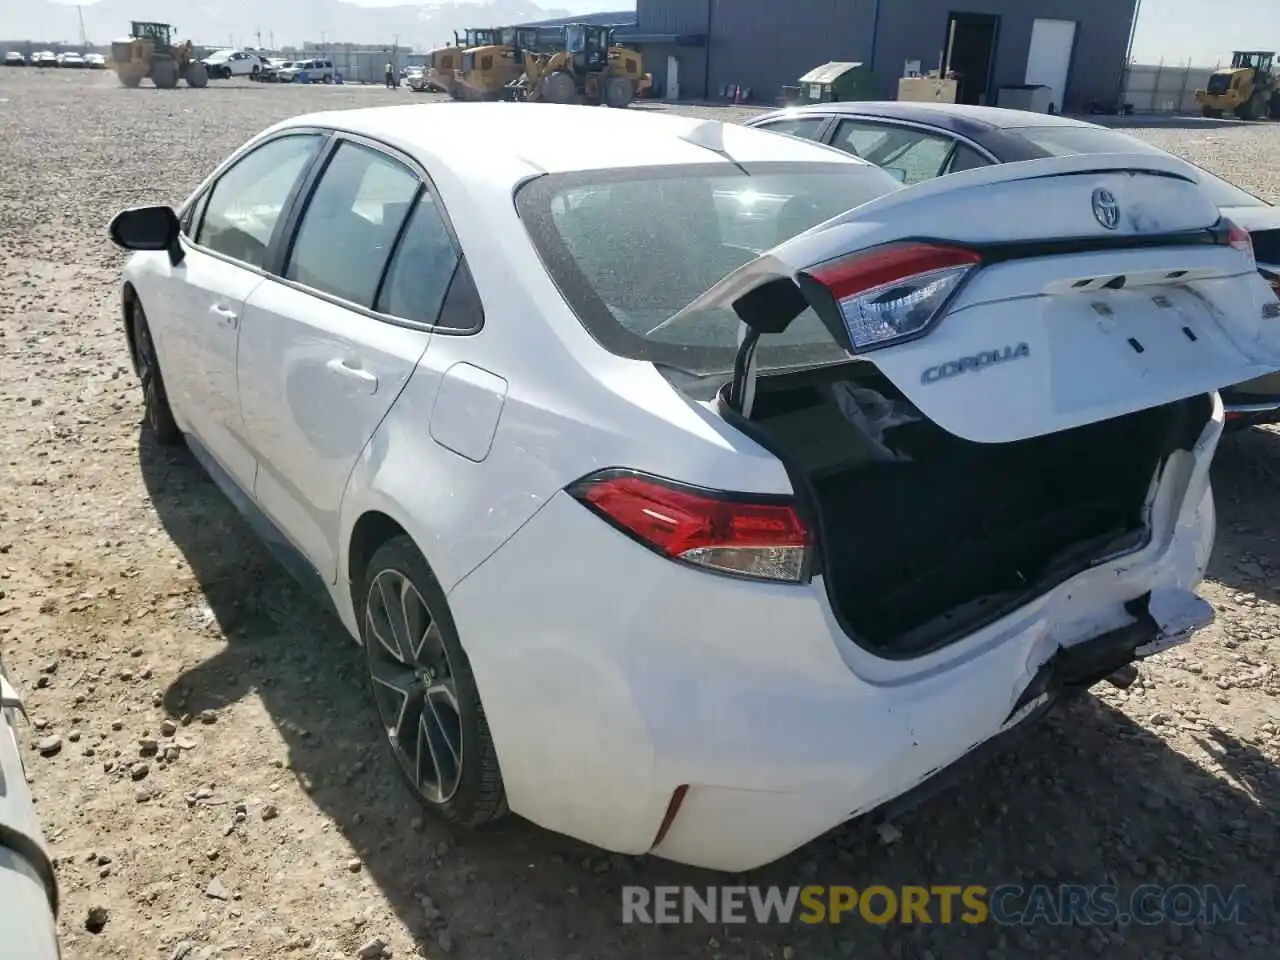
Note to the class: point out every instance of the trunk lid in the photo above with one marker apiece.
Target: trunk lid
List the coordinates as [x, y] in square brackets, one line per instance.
[1026, 298]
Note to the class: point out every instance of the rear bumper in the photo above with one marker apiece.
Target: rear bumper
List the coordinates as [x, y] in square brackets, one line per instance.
[612, 677]
[1254, 402]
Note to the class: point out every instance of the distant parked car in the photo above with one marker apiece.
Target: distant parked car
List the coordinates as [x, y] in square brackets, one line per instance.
[270, 68]
[307, 71]
[28, 886]
[71, 61]
[45, 58]
[226, 64]
[95, 61]
[14, 59]
[416, 78]
[919, 141]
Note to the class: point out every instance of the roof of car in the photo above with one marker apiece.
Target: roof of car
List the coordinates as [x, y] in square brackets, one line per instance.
[957, 117]
[555, 138]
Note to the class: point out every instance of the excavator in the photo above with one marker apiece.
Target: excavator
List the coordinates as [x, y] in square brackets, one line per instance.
[1249, 88]
[443, 63]
[587, 68]
[489, 68]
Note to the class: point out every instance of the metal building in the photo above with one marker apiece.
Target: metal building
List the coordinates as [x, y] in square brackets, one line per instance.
[696, 49]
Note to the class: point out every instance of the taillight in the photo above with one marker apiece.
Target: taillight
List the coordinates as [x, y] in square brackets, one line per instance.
[748, 535]
[894, 292]
[1238, 238]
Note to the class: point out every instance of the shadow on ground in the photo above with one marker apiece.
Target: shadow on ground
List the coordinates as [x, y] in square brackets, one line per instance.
[1088, 797]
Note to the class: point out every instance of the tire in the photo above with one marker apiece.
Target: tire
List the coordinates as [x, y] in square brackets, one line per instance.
[197, 75]
[155, 400]
[559, 87]
[1275, 105]
[618, 92]
[253, 74]
[164, 74]
[1212, 112]
[458, 778]
[130, 81]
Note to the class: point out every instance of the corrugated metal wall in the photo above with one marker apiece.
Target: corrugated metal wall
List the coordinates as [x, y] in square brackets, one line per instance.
[764, 44]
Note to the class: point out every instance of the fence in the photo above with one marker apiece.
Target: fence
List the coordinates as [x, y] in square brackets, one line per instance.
[1164, 87]
[367, 67]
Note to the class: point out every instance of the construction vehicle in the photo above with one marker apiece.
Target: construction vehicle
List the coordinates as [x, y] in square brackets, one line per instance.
[149, 51]
[589, 68]
[1249, 88]
[488, 70]
[443, 63]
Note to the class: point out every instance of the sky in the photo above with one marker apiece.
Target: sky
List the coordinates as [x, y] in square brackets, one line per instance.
[1177, 30]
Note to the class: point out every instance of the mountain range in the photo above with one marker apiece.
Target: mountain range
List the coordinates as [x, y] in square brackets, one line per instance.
[281, 22]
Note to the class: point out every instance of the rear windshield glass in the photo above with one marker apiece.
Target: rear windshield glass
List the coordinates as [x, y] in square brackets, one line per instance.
[629, 248]
[1061, 141]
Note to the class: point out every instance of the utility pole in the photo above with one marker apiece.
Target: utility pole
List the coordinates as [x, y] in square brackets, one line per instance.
[80, 13]
[273, 41]
[258, 35]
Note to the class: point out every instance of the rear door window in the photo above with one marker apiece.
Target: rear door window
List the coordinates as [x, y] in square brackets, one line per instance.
[913, 155]
[807, 128]
[351, 223]
[421, 268]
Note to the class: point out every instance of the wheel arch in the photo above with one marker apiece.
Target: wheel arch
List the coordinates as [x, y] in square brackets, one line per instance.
[371, 530]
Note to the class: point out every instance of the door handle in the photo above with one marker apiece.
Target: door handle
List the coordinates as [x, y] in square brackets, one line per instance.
[226, 316]
[367, 382]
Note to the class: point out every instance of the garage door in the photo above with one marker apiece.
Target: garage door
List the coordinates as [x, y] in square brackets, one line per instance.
[1049, 59]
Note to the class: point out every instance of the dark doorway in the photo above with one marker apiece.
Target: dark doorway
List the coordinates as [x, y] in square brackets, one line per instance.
[973, 46]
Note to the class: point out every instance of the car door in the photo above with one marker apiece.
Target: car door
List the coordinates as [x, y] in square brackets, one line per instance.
[228, 238]
[912, 154]
[330, 341]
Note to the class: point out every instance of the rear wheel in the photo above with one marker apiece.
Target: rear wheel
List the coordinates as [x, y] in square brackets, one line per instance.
[424, 690]
[164, 74]
[197, 75]
[129, 80]
[618, 92]
[1275, 105]
[155, 401]
[559, 87]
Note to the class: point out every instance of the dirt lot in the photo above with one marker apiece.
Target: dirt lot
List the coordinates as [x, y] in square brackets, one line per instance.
[218, 786]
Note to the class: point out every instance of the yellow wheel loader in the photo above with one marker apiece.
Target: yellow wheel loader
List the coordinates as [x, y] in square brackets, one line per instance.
[443, 63]
[149, 52]
[489, 69]
[589, 69]
[1248, 89]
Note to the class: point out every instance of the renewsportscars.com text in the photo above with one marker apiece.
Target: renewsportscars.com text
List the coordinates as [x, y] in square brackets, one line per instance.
[1007, 904]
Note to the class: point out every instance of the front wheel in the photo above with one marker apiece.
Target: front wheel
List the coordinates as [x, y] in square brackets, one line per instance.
[424, 690]
[155, 401]
[197, 75]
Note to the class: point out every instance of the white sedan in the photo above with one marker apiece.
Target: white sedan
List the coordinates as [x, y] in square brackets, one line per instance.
[693, 489]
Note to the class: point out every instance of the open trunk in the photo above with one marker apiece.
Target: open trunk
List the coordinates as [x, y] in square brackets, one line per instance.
[925, 535]
[1013, 382]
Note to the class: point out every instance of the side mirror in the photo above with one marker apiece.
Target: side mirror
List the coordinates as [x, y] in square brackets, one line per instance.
[148, 228]
[897, 173]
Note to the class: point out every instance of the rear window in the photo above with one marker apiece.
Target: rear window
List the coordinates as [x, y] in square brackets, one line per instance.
[629, 248]
[1064, 140]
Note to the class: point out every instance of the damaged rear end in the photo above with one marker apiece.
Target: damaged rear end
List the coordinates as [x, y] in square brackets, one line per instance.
[1031, 358]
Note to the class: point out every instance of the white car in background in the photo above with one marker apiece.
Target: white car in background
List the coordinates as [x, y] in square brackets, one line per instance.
[694, 489]
[307, 71]
[28, 885]
[95, 61]
[225, 64]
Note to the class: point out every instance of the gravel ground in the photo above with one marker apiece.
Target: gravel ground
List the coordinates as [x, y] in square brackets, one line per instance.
[213, 782]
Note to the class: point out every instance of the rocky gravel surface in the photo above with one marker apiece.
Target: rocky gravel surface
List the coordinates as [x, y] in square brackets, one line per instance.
[204, 757]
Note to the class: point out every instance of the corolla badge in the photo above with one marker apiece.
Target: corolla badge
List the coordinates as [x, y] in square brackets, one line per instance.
[1106, 209]
[976, 362]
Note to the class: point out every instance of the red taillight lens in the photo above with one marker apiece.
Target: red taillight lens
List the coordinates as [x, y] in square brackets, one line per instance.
[894, 292]
[1239, 238]
[746, 535]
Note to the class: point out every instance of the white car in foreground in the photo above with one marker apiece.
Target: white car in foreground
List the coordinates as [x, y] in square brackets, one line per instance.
[694, 489]
[28, 884]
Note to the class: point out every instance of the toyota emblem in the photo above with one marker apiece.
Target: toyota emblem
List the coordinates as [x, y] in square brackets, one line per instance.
[1105, 208]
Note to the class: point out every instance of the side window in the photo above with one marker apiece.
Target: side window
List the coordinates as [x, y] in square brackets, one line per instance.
[966, 158]
[804, 127]
[913, 155]
[191, 221]
[351, 223]
[246, 203]
[421, 267]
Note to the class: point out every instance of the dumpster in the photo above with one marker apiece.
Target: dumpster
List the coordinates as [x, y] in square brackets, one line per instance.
[836, 81]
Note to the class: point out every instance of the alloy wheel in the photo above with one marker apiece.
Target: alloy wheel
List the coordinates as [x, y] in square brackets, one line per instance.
[413, 684]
